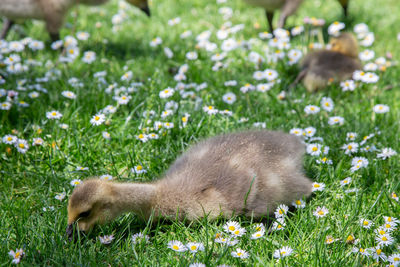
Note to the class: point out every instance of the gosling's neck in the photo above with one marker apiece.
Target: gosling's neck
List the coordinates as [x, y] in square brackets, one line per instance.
[135, 197]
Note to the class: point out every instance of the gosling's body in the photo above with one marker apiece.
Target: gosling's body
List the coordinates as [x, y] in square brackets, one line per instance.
[338, 64]
[52, 12]
[248, 173]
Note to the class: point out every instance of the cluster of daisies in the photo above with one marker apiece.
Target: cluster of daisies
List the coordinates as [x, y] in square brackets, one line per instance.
[230, 238]
[384, 240]
[317, 148]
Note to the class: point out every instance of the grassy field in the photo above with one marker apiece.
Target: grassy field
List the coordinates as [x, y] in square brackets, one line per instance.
[35, 183]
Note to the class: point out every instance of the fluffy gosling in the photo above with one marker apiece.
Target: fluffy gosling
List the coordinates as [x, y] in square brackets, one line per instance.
[319, 68]
[51, 11]
[247, 173]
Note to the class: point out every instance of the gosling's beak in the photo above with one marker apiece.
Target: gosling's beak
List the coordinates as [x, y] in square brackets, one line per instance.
[73, 234]
[146, 10]
[70, 232]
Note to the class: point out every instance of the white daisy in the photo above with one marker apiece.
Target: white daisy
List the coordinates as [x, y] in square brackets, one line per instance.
[283, 252]
[258, 234]
[299, 203]
[139, 169]
[335, 120]
[327, 104]
[37, 141]
[17, 255]
[195, 247]
[345, 181]
[281, 211]
[348, 85]
[350, 148]
[21, 145]
[53, 115]
[98, 119]
[210, 110]
[231, 226]
[317, 187]
[366, 223]
[9, 139]
[166, 93]
[140, 237]
[229, 98]
[240, 253]
[107, 239]
[279, 224]
[311, 109]
[320, 212]
[386, 152]
[177, 246]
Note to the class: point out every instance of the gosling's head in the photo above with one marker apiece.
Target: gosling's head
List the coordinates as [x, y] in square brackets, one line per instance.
[346, 44]
[91, 202]
[141, 4]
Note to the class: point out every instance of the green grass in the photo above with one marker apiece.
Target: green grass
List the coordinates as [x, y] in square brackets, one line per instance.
[30, 181]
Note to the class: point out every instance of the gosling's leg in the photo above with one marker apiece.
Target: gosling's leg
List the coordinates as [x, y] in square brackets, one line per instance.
[345, 5]
[288, 9]
[6, 28]
[270, 17]
[298, 79]
[54, 36]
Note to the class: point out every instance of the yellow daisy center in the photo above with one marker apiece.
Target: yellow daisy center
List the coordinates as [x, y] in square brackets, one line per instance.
[298, 202]
[139, 167]
[314, 148]
[321, 212]
[365, 223]
[231, 228]
[175, 247]
[193, 247]
[21, 145]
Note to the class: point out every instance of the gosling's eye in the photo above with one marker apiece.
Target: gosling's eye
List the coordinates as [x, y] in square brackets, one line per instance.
[84, 214]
